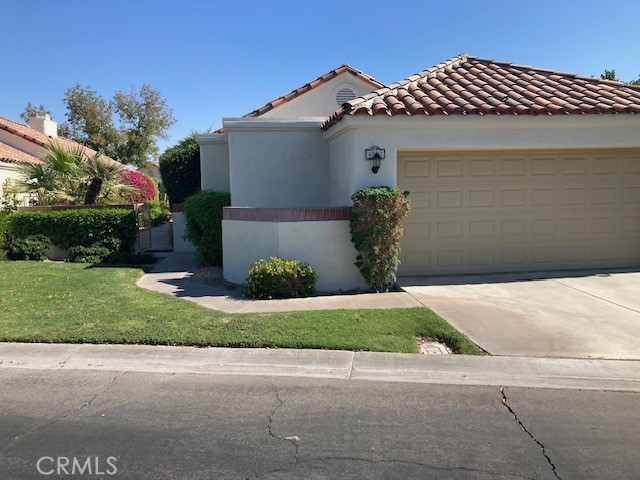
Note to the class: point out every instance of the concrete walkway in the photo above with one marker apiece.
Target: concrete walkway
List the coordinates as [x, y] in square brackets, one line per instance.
[173, 276]
[388, 367]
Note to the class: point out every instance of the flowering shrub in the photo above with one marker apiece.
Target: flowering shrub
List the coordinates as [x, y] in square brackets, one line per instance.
[376, 226]
[280, 278]
[146, 190]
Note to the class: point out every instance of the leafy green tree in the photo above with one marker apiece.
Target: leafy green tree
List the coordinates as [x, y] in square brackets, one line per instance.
[31, 111]
[180, 169]
[126, 127]
[609, 75]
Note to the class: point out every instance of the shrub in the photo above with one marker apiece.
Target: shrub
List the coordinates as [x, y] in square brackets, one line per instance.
[31, 247]
[203, 224]
[4, 217]
[180, 170]
[93, 254]
[84, 227]
[376, 229]
[160, 213]
[279, 278]
[145, 188]
[126, 258]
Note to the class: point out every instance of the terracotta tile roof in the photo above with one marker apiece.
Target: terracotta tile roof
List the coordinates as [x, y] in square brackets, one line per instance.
[40, 138]
[311, 85]
[8, 154]
[467, 85]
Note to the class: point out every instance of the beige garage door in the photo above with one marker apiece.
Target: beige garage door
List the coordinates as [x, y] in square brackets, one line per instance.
[520, 211]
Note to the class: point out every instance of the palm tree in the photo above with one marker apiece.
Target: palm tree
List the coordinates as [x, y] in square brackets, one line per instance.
[70, 176]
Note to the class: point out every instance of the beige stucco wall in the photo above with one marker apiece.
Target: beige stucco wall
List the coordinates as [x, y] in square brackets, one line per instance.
[277, 163]
[214, 162]
[326, 246]
[320, 101]
[7, 171]
[349, 138]
[179, 244]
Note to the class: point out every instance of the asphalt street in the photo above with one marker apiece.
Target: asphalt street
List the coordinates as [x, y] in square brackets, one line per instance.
[184, 426]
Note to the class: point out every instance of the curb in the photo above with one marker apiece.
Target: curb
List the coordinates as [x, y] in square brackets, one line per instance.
[531, 372]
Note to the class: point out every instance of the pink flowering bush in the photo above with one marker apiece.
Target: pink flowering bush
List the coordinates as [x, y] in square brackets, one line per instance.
[145, 189]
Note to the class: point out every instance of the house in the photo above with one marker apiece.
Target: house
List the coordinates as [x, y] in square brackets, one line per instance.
[21, 145]
[509, 168]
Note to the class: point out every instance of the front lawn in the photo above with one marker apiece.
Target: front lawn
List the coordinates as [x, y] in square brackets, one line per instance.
[65, 302]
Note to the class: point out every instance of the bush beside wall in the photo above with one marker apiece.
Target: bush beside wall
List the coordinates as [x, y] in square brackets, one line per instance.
[203, 224]
[70, 228]
[280, 278]
[180, 170]
[376, 227]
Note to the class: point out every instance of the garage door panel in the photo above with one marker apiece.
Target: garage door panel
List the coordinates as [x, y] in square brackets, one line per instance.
[512, 212]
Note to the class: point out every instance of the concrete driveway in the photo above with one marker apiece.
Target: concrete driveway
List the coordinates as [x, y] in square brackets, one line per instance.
[592, 314]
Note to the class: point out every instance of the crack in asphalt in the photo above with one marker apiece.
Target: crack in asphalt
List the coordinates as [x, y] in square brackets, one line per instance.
[4, 444]
[525, 430]
[291, 439]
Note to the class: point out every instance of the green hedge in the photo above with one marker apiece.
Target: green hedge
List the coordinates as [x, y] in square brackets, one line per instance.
[180, 170]
[203, 224]
[4, 217]
[70, 228]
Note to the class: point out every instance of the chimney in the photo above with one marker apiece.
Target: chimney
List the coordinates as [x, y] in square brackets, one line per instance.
[42, 122]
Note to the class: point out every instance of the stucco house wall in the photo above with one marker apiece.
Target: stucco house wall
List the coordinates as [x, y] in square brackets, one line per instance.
[277, 163]
[214, 162]
[325, 245]
[7, 171]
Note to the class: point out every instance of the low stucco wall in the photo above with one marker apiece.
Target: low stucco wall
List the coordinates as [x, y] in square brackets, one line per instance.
[325, 245]
[179, 244]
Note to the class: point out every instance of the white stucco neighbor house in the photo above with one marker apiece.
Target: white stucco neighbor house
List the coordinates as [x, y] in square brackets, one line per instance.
[27, 144]
[509, 168]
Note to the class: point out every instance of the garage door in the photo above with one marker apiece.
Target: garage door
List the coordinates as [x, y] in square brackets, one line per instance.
[520, 211]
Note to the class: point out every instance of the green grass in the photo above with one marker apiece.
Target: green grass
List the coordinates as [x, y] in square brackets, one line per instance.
[65, 302]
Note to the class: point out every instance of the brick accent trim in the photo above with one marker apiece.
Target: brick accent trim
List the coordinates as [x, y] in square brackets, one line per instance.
[305, 214]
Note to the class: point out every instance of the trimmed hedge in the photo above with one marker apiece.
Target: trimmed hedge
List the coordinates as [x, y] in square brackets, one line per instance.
[32, 247]
[70, 228]
[203, 224]
[180, 170]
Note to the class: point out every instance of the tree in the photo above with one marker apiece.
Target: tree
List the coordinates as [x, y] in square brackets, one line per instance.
[32, 111]
[125, 128]
[69, 176]
[609, 75]
[180, 169]
[89, 120]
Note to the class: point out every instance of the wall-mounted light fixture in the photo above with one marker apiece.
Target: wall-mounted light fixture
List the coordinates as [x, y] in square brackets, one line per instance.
[375, 154]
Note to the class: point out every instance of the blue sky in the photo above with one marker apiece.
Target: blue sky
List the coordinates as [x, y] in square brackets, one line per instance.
[213, 59]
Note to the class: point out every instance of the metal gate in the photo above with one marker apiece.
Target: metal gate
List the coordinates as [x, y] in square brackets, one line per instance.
[144, 227]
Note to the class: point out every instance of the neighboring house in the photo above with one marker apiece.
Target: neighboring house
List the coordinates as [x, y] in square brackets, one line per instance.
[509, 168]
[21, 144]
